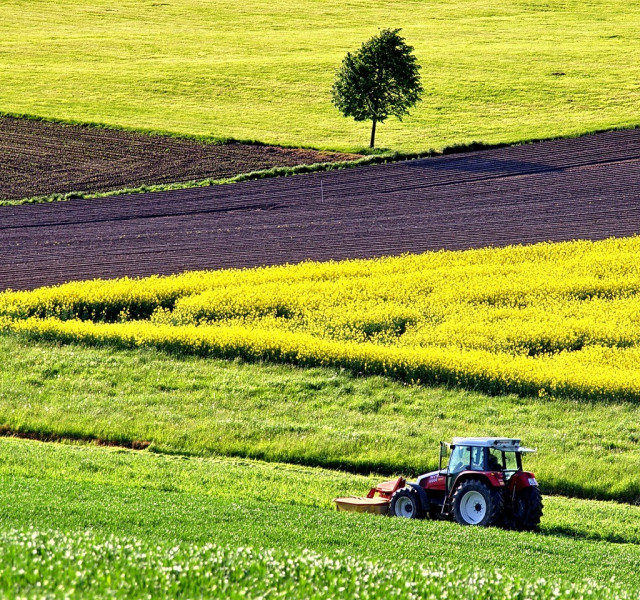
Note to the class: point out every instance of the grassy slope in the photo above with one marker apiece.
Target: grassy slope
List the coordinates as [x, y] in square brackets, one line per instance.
[218, 478]
[492, 72]
[162, 498]
[313, 416]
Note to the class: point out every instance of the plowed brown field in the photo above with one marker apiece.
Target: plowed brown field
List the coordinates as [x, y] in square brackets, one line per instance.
[587, 187]
[39, 158]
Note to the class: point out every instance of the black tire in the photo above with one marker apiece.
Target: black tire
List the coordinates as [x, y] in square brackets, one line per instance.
[406, 503]
[476, 503]
[525, 512]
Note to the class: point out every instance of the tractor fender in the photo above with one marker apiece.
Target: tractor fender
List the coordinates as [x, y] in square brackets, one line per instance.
[521, 480]
[422, 494]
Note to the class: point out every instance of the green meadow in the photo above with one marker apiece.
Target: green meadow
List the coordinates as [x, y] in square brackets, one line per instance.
[318, 417]
[493, 72]
[231, 496]
[82, 519]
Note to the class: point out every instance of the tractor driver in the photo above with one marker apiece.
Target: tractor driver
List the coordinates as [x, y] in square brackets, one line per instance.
[493, 463]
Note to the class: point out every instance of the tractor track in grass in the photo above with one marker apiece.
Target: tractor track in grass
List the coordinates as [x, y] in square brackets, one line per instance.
[587, 187]
[51, 437]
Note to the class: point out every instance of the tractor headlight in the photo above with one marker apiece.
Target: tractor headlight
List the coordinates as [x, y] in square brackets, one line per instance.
[532, 481]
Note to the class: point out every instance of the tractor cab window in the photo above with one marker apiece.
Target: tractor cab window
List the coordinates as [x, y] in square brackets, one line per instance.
[477, 459]
[460, 459]
[497, 460]
[510, 461]
[465, 458]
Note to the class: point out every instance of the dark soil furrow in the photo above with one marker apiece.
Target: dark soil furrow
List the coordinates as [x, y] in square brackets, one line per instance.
[40, 158]
[551, 191]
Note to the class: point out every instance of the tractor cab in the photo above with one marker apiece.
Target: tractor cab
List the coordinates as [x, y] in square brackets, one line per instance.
[497, 458]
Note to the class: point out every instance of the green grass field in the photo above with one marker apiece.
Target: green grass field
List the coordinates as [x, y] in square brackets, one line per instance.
[164, 502]
[112, 567]
[492, 72]
[308, 416]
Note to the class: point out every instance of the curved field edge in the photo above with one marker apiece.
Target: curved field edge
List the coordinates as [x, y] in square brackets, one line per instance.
[42, 160]
[196, 183]
[470, 146]
[247, 503]
[549, 319]
[195, 406]
[474, 370]
[376, 157]
[209, 139]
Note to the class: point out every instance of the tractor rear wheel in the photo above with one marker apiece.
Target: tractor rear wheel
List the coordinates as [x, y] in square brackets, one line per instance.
[476, 503]
[406, 503]
[526, 510]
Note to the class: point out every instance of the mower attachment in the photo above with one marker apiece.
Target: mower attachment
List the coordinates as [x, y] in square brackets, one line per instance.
[372, 504]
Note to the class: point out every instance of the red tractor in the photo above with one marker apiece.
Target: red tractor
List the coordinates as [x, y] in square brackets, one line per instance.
[482, 484]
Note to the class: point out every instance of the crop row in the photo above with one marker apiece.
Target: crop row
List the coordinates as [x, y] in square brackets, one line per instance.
[551, 319]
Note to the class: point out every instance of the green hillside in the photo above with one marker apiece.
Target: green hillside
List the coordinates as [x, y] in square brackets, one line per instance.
[324, 417]
[493, 72]
[62, 505]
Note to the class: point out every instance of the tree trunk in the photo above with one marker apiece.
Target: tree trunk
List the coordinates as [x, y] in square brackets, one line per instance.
[373, 133]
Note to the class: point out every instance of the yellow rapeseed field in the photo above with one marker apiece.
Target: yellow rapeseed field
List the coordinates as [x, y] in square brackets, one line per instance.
[549, 319]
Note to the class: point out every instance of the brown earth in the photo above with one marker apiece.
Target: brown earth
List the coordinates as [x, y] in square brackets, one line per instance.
[40, 158]
[586, 187]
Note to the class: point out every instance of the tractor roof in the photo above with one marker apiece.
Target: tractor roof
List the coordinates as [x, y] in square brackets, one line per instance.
[506, 444]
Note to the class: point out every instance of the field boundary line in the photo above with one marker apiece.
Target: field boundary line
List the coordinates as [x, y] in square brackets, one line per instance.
[8, 431]
[382, 156]
[213, 139]
[197, 183]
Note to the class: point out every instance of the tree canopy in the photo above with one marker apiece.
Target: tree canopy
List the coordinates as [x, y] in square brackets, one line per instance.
[380, 80]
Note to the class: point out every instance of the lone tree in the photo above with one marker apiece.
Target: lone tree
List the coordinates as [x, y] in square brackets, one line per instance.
[379, 80]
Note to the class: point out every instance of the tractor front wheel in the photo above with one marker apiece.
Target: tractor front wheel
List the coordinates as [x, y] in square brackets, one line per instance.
[406, 503]
[475, 503]
[526, 510]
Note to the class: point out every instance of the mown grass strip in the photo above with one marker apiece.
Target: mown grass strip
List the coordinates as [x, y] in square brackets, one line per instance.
[271, 482]
[325, 417]
[180, 501]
